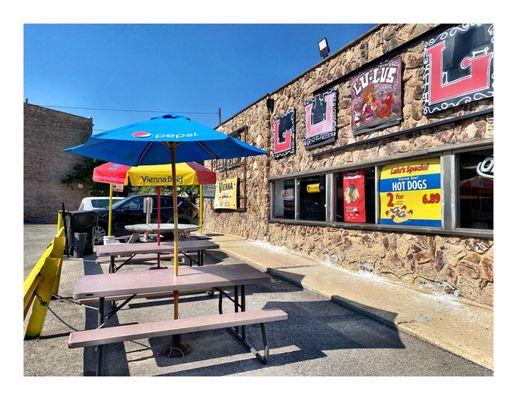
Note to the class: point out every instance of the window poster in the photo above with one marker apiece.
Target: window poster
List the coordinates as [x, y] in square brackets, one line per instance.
[458, 67]
[354, 196]
[376, 97]
[284, 136]
[320, 119]
[226, 194]
[410, 193]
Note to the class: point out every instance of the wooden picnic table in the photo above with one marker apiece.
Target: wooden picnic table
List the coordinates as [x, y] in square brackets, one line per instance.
[163, 281]
[132, 249]
[128, 285]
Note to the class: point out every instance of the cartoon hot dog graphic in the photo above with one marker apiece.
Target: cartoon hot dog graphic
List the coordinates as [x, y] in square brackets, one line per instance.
[399, 214]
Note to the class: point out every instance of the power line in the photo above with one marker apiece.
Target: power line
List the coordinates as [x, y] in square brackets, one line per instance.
[131, 110]
[64, 126]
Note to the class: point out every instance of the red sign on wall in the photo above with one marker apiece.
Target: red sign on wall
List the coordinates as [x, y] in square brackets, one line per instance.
[320, 119]
[284, 136]
[354, 196]
[458, 67]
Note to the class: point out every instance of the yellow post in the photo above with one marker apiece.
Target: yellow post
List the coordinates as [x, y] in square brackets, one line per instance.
[43, 294]
[201, 208]
[109, 209]
[59, 222]
[57, 252]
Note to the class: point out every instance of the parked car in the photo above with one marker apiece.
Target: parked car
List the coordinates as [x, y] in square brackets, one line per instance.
[130, 211]
[93, 203]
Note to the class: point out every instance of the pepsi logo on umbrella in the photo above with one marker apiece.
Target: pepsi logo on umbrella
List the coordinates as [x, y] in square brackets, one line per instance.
[140, 134]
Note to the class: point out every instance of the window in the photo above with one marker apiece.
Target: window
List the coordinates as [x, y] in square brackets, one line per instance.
[312, 198]
[284, 192]
[355, 196]
[410, 193]
[476, 189]
[135, 204]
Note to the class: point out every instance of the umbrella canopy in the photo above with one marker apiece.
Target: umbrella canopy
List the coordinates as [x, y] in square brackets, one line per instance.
[189, 173]
[142, 143]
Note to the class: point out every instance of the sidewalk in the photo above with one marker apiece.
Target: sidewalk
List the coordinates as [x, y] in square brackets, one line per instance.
[456, 325]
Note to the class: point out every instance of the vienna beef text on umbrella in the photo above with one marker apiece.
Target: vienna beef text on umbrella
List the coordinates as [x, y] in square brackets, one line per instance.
[162, 139]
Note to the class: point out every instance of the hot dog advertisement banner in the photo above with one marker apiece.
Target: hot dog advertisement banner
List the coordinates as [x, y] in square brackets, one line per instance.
[353, 196]
[226, 194]
[411, 193]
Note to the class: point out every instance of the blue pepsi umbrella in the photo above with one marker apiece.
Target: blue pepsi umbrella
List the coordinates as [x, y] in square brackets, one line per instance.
[147, 143]
[163, 139]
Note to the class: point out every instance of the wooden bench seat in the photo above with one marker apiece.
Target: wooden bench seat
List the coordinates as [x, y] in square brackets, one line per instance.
[137, 258]
[96, 337]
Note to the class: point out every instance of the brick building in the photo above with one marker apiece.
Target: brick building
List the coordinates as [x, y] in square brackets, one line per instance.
[380, 159]
[46, 133]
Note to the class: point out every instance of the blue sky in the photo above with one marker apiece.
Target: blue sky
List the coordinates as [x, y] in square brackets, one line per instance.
[175, 68]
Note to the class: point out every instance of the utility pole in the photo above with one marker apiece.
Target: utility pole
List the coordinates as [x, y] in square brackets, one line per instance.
[219, 115]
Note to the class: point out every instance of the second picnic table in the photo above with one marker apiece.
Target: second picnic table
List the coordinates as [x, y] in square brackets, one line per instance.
[132, 249]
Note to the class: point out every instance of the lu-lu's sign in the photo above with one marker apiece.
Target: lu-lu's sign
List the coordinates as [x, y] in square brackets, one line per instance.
[376, 97]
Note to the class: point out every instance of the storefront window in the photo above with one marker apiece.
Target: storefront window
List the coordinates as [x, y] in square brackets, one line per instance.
[284, 192]
[312, 198]
[410, 193]
[355, 194]
[476, 189]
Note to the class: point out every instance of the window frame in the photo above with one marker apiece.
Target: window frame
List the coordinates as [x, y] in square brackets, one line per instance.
[450, 194]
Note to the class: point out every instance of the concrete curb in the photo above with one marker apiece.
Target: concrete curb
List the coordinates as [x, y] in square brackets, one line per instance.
[367, 311]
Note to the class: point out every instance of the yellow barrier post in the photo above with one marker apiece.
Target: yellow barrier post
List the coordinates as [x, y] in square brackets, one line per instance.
[43, 294]
[33, 279]
[59, 222]
[57, 252]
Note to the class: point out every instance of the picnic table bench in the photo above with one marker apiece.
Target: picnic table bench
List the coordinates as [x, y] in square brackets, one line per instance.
[126, 252]
[128, 285]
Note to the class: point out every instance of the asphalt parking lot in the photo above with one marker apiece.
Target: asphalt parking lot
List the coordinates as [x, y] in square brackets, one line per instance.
[320, 338]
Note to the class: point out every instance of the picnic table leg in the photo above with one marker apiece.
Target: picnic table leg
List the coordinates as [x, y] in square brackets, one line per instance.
[236, 304]
[100, 321]
[112, 265]
[243, 308]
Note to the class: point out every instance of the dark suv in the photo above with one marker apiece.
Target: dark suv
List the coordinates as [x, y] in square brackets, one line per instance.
[130, 211]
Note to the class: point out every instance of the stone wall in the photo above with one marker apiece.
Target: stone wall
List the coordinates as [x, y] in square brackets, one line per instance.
[460, 265]
[46, 134]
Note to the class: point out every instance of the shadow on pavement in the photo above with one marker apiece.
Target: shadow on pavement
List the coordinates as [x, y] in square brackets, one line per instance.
[312, 329]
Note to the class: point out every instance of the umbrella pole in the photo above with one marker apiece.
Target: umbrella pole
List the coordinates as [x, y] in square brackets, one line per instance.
[176, 349]
[159, 217]
[109, 209]
[174, 207]
[201, 208]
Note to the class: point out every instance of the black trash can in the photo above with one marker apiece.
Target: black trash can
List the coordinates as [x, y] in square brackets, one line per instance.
[81, 222]
[80, 239]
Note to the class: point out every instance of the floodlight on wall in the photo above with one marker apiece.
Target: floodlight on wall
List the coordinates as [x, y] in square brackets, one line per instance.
[323, 45]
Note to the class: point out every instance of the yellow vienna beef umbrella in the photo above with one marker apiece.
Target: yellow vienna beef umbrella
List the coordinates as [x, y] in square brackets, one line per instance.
[187, 173]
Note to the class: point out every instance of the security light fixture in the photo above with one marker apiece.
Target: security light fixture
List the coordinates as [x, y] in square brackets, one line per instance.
[324, 47]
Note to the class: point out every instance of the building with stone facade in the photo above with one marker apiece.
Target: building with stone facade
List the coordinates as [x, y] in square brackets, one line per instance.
[47, 133]
[380, 159]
